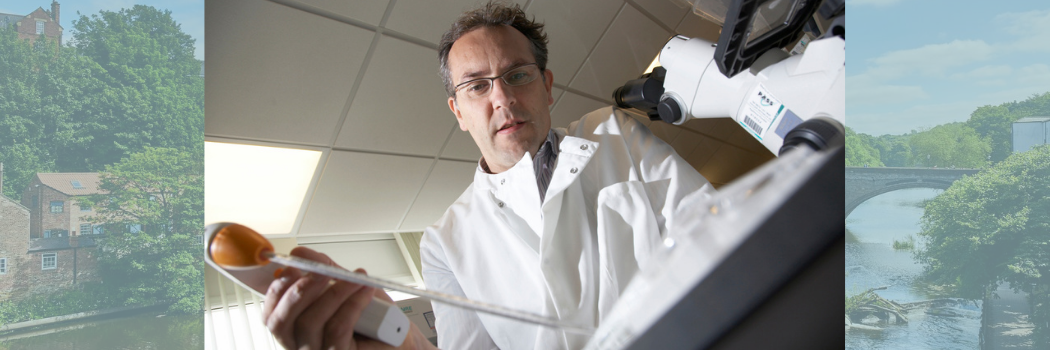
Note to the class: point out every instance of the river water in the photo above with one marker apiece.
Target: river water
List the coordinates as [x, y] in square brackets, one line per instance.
[144, 331]
[872, 262]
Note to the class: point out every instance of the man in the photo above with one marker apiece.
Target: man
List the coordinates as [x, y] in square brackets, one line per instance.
[556, 221]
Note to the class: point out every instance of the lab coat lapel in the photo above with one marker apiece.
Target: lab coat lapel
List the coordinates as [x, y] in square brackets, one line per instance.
[517, 200]
[566, 241]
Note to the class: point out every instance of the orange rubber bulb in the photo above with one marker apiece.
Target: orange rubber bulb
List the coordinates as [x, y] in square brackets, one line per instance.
[237, 245]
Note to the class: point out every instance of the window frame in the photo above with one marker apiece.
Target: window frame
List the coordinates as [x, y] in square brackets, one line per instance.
[61, 207]
[40, 27]
[3, 266]
[43, 261]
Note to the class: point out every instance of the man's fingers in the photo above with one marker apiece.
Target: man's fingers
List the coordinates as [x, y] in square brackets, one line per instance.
[316, 320]
[340, 328]
[297, 298]
[277, 289]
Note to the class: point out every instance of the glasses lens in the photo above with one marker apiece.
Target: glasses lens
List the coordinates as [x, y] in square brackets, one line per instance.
[477, 88]
[520, 75]
[514, 77]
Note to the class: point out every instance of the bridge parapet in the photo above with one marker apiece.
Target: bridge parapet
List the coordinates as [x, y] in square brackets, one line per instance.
[864, 183]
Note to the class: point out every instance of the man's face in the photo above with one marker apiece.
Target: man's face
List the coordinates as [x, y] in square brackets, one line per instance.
[510, 120]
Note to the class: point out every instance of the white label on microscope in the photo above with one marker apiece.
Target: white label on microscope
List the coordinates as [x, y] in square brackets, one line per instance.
[760, 110]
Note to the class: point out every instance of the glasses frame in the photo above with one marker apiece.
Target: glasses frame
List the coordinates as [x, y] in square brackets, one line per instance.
[492, 80]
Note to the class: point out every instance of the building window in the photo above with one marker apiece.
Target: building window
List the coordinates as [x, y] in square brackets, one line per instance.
[56, 206]
[85, 229]
[40, 27]
[97, 229]
[49, 261]
[85, 208]
[134, 228]
[3, 266]
[47, 233]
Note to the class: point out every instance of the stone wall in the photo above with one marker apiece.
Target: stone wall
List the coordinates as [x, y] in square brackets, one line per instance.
[14, 242]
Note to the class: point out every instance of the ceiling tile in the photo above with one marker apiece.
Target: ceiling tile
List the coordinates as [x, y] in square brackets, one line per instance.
[664, 131]
[719, 128]
[573, 28]
[428, 19]
[669, 12]
[728, 163]
[446, 182]
[370, 12]
[362, 192]
[401, 105]
[695, 27]
[685, 143]
[271, 67]
[705, 148]
[461, 146]
[571, 108]
[380, 258]
[623, 54]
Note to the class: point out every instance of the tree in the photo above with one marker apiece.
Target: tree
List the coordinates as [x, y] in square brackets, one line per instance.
[991, 228]
[949, 145]
[152, 211]
[995, 123]
[859, 151]
[151, 91]
[127, 81]
[894, 150]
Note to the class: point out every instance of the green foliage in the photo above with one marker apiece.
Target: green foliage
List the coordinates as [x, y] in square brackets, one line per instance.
[991, 228]
[894, 150]
[153, 214]
[908, 243]
[87, 297]
[129, 81]
[859, 151]
[995, 123]
[854, 301]
[949, 145]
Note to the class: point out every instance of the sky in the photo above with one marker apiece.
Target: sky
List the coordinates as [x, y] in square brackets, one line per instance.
[189, 14]
[915, 64]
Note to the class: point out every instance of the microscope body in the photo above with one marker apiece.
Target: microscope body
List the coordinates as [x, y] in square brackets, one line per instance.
[767, 101]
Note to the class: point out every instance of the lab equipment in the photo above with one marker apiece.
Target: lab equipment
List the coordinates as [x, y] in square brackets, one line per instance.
[747, 76]
[756, 274]
[248, 258]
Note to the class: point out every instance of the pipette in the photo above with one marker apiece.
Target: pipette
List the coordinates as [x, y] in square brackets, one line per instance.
[237, 246]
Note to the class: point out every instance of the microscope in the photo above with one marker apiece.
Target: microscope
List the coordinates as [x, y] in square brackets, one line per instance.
[759, 265]
[748, 77]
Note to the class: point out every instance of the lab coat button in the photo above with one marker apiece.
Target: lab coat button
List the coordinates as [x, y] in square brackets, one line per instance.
[501, 181]
[573, 170]
[584, 147]
[500, 204]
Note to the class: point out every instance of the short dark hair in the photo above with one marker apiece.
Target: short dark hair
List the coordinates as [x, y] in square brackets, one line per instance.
[492, 14]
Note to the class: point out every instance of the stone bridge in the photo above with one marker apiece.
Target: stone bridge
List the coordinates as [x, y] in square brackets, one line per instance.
[864, 183]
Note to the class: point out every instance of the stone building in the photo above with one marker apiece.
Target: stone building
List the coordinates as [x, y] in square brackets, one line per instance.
[52, 201]
[33, 265]
[36, 23]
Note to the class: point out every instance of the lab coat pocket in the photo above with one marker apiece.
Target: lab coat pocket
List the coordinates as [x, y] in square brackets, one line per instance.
[627, 235]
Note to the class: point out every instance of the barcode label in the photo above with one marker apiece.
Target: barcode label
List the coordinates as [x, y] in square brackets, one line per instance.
[754, 126]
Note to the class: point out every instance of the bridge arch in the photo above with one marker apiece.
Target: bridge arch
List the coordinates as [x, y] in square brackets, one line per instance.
[863, 184]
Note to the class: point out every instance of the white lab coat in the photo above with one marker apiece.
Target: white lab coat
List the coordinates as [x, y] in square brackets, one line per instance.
[612, 195]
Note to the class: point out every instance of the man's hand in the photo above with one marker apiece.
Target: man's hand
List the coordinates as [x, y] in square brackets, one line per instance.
[308, 311]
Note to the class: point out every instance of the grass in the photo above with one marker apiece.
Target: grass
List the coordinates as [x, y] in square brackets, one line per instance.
[907, 244]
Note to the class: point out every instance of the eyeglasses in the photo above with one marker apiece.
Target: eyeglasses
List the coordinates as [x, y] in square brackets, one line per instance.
[481, 87]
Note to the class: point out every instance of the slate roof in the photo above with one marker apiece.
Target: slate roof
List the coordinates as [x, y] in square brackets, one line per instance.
[63, 182]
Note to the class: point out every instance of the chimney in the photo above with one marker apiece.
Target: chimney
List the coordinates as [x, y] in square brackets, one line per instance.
[54, 11]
